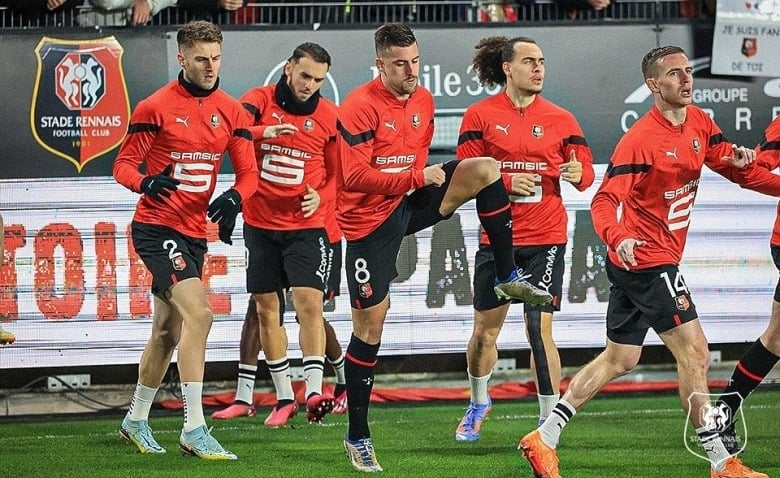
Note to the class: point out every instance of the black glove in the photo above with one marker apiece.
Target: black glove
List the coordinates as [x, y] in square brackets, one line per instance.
[223, 211]
[159, 186]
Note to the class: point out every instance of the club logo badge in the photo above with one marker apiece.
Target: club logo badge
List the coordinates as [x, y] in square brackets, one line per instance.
[80, 106]
[749, 46]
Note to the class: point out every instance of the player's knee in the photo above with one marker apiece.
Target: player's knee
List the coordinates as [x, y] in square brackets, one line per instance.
[485, 340]
[487, 170]
[167, 339]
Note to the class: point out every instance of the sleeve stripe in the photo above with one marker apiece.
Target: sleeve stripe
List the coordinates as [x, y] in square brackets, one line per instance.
[716, 139]
[143, 128]
[354, 140]
[253, 110]
[243, 133]
[469, 136]
[575, 140]
[613, 171]
[767, 145]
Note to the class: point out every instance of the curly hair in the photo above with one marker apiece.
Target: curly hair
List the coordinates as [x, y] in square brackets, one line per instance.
[491, 54]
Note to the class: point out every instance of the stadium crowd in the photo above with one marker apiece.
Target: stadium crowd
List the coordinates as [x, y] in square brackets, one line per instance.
[137, 13]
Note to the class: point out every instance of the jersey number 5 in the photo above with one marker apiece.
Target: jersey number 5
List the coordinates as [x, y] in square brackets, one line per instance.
[282, 169]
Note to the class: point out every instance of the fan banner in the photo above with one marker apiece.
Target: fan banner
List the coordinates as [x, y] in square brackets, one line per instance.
[747, 38]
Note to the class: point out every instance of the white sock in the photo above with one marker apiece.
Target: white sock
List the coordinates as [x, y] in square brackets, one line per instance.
[280, 374]
[546, 404]
[479, 388]
[713, 445]
[245, 387]
[551, 429]
[313, 367]
[338, 368]
[191, 394]
[143, 398]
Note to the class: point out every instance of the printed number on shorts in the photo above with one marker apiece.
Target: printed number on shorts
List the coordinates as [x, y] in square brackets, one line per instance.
[362, 275]
[282, 169]
[192, 181]
[676, 286]
[680, 212]
[535, 197]
[177, 260]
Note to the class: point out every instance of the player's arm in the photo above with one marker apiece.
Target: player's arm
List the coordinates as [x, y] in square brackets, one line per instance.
[356, 152]
[471, 143]
[753, 176]
[619, 180]
[242, 157]
[579, 157]
[141, 133]
[768, 150]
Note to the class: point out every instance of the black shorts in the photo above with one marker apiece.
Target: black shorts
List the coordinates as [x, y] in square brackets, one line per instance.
[370, 261]
[544, 263]
[333, 282]
[169, 256]
[638, 300]
[776, 259]
[279, 260]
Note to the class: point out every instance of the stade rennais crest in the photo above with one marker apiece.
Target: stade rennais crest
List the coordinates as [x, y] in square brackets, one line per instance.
[80, 106]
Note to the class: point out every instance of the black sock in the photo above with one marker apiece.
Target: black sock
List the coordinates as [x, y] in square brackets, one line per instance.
[359, 372]
[751, 369]
[533, 322]
[495, 215]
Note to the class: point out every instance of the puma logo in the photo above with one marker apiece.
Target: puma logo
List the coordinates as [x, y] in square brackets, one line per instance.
[184, 121]
[504, 129]
[391, 125]
[672, 154]
[277, 117]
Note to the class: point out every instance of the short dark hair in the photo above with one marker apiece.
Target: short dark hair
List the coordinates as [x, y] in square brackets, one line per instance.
[198, 31]
[491, 54]
[393, 34]
[311, 50]
[650, 60]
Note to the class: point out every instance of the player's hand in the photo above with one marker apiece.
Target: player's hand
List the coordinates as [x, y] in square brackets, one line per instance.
[434, 174]
[142, 12]
[54, 4]
[223, 211]
[625, 252]
[278, 130]
[572, 171]
[159, 186]
[523, 184]
[231, 5]
[740, 156]
[310, 201]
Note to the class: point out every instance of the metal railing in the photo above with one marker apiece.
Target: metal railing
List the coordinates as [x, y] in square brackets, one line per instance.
[348, 13]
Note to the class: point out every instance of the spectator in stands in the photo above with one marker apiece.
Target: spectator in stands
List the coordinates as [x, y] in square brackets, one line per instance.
[575, 9]
[217, 11]
[43, 12]
[141, 11]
